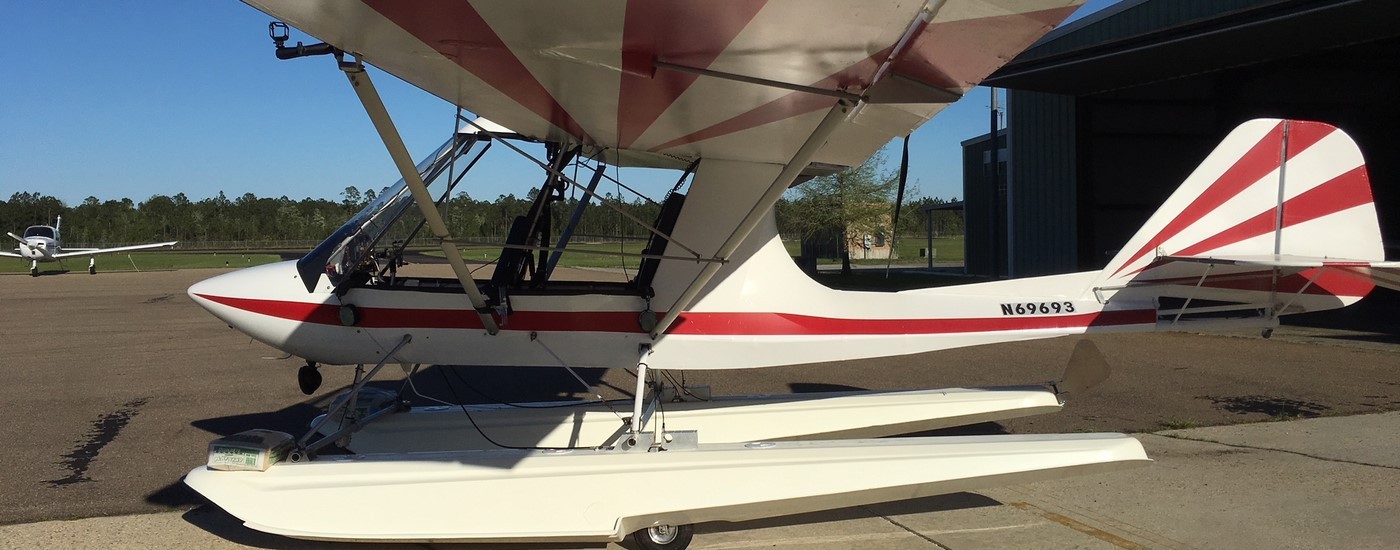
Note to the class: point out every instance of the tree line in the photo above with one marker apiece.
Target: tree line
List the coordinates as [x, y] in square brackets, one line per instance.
[251, 219]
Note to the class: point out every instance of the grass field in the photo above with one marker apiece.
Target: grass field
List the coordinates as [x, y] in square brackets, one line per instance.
[875, 279]
[569, 259]
[948, 249]
[147, 261]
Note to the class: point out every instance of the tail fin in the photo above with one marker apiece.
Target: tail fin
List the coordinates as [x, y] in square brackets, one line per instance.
[57, 225]
[1260, 224]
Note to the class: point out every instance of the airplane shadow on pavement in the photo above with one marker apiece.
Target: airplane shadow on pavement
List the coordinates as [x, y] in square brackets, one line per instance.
[219, 523]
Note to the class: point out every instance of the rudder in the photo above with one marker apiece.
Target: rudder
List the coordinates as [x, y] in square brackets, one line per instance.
[1272, 190]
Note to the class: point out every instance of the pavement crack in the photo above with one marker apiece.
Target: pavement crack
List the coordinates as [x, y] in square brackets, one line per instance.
[1275, 449]
[907, 529]
[102, 432]
[159, 299]
[1078, 526]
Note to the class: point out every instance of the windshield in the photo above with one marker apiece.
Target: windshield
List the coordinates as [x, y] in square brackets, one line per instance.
[39, 231]
[351, 248]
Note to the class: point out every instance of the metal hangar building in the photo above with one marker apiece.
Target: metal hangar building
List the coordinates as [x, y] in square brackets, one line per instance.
[1108, 114]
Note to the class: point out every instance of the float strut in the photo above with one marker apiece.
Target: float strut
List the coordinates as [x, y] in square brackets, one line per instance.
[640, 396]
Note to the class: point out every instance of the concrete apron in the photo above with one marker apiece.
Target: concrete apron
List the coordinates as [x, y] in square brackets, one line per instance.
[1318, 483]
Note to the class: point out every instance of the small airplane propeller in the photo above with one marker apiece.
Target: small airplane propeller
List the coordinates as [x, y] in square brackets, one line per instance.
[17, 238]
[1086, 369]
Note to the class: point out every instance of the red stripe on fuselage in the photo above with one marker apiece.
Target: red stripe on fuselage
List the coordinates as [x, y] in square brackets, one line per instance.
[693, 323]
[786, 324]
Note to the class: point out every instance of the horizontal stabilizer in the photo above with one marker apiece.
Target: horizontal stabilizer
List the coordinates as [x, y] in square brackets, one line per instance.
[1282, 261]
[1384, 274]
[1260, 271]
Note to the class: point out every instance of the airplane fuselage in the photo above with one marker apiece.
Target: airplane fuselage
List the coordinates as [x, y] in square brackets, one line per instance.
[40, 249]
[760, 310]
[766, 314]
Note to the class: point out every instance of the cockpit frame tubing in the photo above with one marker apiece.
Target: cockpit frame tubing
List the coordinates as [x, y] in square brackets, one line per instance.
[446, 194]
[571, 181]
[567, 233]
[384, 124]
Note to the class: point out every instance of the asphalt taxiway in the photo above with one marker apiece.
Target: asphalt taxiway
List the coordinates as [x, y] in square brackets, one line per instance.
[115, 383]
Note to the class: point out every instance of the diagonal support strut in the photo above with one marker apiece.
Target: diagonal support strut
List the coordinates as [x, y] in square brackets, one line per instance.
[374, 106]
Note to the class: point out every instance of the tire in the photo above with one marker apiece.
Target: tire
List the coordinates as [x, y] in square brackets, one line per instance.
[664, 537]
[308, 379]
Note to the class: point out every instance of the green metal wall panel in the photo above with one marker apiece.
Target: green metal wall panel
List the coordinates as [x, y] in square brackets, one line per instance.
[1141, 18]
[1042, 186]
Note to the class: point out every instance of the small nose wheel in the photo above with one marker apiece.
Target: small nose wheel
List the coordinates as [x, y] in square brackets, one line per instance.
[309, 378]
[664, 537]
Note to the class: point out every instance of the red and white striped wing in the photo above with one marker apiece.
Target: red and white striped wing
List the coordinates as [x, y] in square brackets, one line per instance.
[584, 71]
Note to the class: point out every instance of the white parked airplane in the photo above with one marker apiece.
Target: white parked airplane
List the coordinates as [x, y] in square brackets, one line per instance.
[43, 243]
[746, 98]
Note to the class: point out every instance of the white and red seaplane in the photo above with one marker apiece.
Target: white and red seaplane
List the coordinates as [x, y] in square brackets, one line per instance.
[746, 97]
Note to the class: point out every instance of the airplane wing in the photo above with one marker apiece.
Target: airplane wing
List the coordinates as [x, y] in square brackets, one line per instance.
[96, 251]
[10, 255]
[668, 82]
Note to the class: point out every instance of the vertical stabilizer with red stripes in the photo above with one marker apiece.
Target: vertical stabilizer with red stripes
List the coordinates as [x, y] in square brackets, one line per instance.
[1272, 189]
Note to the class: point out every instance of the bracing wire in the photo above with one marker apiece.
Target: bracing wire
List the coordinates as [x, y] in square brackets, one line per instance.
[898, 202]
[489, 397]
[447, 381]
[622, 240]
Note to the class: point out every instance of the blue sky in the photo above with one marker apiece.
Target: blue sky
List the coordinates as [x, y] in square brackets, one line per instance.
[140, 98]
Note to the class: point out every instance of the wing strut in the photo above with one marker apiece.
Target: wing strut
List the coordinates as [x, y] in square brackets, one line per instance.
[814, 143]
[374, 106]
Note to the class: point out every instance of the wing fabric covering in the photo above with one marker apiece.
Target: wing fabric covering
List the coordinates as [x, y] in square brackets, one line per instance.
[585, 72]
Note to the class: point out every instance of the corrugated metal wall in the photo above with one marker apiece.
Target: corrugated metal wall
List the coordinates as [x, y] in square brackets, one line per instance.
[1141, 18]
[1042, 185]
[983, 210]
